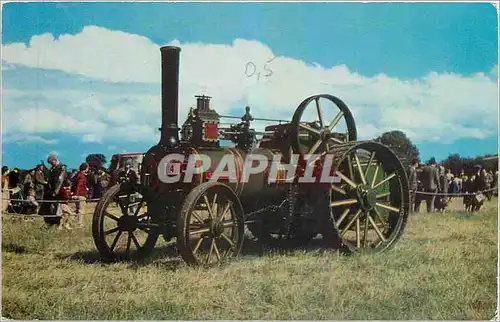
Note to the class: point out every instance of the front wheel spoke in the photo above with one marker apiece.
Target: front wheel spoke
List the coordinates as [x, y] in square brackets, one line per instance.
[111, 230]
[360, 170]
[136, 242]
[216, 249]
[383, 205]
[308, 128]
[346, 228]
[229, 241]
[384, 181]
[115, 241]
[199, 231]
[196, 217]
[344, 202]
[136, 212]
[107, 214]
[198, 244]
[379, 233]
[210, 252]
[224, 211]
[209, 207]
[129, 241]
[228, 224]
[335, 120]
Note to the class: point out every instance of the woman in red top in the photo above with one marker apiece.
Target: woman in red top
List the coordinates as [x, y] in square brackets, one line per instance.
[81, 191]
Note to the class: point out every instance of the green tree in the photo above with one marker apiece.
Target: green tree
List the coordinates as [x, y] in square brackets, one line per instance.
[401, 145]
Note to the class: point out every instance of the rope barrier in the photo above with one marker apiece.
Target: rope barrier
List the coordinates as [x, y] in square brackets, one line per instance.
[55, 201]
[461, 194]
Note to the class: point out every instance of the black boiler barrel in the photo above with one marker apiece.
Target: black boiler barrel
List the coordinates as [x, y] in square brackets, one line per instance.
[169, 95]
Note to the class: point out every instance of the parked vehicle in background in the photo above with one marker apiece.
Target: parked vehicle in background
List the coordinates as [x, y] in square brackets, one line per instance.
[118, 162]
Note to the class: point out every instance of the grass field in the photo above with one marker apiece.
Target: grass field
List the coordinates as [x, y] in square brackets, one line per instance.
[445, 267]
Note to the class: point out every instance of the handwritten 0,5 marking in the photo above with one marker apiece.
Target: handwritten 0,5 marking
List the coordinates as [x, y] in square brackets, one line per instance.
[252, 70]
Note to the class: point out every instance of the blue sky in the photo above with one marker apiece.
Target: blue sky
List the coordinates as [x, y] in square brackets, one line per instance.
[403, 41]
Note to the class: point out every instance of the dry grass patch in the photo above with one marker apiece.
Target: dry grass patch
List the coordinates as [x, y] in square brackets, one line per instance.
[443, 268]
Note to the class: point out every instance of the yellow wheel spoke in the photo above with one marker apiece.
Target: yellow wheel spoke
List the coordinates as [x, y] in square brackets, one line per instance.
[391, 208]
[358, 233]
[315, 146]
[230, 242]
[228, 224]
[209, 207]
[216, 249]
[199, 231]
[337, 189]
[198, 244]
[195, 215]
[342, 217]
[383, 195]
[360, 170]
[384, 181]
[225, 211]
[346, 228]
[379, 217]
[374, 176]
[376, 228]
[346, 179]
[372, 156]
[349, 166]
[344, 202]
[365, 232]
[210, 252]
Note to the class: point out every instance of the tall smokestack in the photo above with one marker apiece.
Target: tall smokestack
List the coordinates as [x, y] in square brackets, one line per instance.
[169, 95]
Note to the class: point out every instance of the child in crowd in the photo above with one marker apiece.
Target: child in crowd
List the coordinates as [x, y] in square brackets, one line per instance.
[67, 215]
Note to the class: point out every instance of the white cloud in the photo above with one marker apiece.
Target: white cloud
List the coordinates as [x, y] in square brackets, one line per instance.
[22, 138]
[92, 138]
[434, 107]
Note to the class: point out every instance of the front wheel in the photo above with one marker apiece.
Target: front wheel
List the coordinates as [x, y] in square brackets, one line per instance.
[122, 227]
[210, 226]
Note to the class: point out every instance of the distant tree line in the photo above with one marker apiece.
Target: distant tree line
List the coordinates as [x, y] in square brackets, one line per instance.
[404, 148]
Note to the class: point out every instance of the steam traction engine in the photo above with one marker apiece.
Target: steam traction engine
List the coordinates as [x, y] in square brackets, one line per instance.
[364, 210]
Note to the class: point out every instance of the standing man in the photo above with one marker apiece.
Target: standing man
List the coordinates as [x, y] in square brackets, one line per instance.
[81, 191]
[430, 183]
[56, 179]
[40, 182]
[413, 182]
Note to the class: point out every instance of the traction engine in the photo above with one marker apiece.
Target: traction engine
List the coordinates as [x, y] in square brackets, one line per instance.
[203, 195]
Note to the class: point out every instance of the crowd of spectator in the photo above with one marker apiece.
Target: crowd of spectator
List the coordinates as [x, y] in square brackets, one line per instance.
[23, 192]
[437, 186]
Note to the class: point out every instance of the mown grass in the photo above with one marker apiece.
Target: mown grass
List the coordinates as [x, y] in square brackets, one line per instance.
[443, 268]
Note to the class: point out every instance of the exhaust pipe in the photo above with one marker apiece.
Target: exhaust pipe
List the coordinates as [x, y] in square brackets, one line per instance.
[169, 96]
